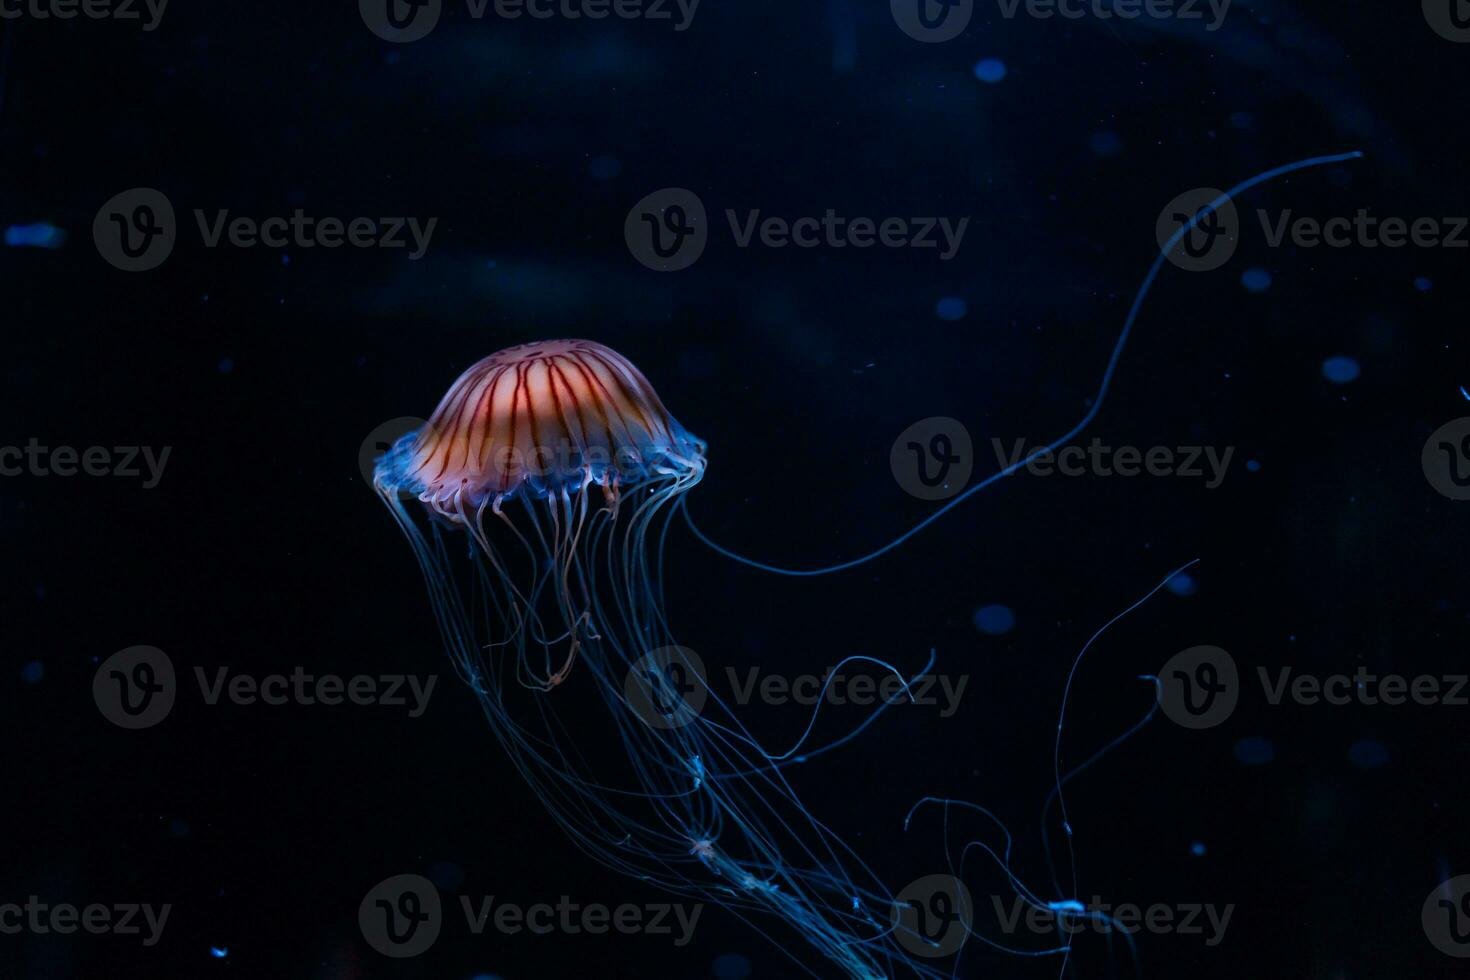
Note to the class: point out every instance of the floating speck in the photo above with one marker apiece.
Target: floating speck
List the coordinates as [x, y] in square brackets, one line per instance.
[1256, 750]
[1106, 144]
[446, 875]
[1182, 583]
[42, 234]
[1253, 465]
[1340, 369]
[1242, 120]
[219, 952]
[1256, 280]
[32, 672]
[605, 168]
[1198, 849]
[731, 966]
[951, 308]
[1365, 753]
[990, 70]
[1424, 284]
[225, 365]
[994, 620]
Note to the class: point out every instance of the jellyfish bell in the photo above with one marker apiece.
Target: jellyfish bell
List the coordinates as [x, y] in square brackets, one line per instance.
[541, 420]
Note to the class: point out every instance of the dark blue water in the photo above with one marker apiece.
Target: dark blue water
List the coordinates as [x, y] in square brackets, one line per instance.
[513, 161]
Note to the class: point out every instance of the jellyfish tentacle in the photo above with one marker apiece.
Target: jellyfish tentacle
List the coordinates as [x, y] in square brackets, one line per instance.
[1096, 402]
[553, 591]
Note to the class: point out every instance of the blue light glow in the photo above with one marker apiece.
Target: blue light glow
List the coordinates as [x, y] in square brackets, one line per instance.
[1182, 584]
[1256, 750]
[994, 620]
[42, 234]
[1365, 753]
[1256, 280]
[1341, 369]
[990, 70]
[951, 308]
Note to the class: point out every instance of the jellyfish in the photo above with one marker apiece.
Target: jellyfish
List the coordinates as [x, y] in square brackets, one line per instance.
[536, 500]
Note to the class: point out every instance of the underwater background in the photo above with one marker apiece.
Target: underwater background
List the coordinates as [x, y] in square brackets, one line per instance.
[1331, 543]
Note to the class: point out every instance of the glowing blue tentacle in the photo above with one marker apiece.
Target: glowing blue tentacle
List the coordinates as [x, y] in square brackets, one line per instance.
[1072, 433]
